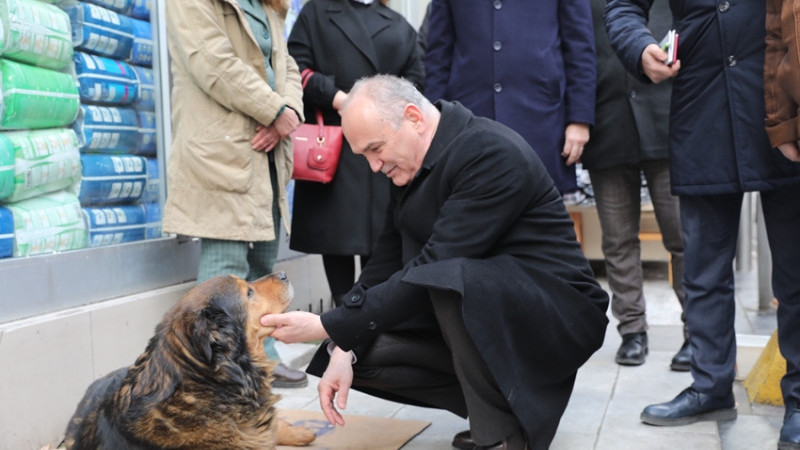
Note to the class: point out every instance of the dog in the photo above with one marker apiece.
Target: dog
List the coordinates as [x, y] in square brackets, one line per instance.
[203, 382]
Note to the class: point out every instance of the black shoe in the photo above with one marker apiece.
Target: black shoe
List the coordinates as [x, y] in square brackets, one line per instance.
[790, 431]
[682, 361]
[288, 378]
[633, 349]
[688, 407]
[463, 441]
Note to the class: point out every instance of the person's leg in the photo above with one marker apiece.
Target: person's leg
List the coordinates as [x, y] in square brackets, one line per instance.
[490, 417]
[340, 272]
[782, 219]
[710, 226]
[667, 210]
[222, 257]
[618, 199]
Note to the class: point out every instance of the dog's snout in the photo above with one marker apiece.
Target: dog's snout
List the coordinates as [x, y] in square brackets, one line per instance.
[282, 276]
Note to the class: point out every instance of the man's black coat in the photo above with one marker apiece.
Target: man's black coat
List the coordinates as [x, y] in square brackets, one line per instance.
[482, 218]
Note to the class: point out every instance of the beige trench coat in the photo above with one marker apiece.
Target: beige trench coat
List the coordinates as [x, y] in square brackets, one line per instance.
[217, 185]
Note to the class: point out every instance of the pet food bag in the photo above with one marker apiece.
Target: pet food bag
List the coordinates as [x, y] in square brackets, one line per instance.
[141, 9]
[44, 161]
[120, 6]
[153, 185]
[107, 129]
[152, 220]
[35, 33]
[6, 167]
[142, 51]
[6, 233]
[114, 224]
[146, 86]
[105, 80]
[101, 31]
[34, 97]
[47, 223]
[147, 133]
[112, 179]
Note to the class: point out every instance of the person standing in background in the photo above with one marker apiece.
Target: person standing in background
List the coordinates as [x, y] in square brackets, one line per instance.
[236, 97]
[782, 100]
[341, 41]
[631, 137]
[528, 65]
[718, 150]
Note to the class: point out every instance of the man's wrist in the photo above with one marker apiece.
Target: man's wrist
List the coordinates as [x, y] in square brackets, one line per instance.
[332, 347]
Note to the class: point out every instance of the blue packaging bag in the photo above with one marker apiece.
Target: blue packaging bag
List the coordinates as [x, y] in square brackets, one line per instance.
[120, 6]
[112, 179]
[105, 80]
[140, 9]
[100, 31]
[152, 212]
[6, 233]
[145, 89]
[151, 189]
[114, 224]
[147, 133]
[142, 51]
[107, 129]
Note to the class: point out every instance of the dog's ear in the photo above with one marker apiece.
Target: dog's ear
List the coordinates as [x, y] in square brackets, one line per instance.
[216, 335]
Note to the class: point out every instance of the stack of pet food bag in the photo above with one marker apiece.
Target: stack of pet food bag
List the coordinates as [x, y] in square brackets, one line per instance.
[77, 125]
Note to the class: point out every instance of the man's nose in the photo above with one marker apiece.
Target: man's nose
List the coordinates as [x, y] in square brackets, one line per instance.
[375, 164]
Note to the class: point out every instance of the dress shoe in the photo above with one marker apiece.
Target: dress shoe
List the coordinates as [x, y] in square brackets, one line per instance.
[463, 441]
[688, 407]
[682, 361]
[790, 431]
[288, 378]
[633, 349]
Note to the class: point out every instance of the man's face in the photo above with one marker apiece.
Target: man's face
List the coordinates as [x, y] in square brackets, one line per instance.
[395, 153]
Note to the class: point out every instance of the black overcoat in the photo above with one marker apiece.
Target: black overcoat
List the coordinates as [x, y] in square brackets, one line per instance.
[718, 144]
[482, 218]
[342, 45]
[631, 115]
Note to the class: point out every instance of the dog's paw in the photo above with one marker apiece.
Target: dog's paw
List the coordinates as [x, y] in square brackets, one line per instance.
[294, 436]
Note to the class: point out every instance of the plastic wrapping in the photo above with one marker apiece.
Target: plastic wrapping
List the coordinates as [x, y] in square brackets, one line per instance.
[34, 97]
[114, 224]
[44, 161]
[6, 167]
[105, 80]
[47, 223]
[152, 220]
[153, 185]
[107, 129]
[111, 179]
[101, 31]
[142, 51]
[145, 89]
[35, 33]
[147, 134]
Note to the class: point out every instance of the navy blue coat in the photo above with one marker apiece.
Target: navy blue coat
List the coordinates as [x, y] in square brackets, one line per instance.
[717, 139]
[529, 65]
[482, 219]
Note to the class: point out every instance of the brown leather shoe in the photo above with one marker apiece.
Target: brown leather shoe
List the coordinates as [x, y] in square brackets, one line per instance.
[463, 441]
[288, 378]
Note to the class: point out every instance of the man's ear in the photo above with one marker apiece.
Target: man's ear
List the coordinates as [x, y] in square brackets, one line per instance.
[413, 114]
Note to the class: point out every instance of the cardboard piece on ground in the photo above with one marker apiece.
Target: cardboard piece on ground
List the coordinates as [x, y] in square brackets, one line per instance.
[359, 432]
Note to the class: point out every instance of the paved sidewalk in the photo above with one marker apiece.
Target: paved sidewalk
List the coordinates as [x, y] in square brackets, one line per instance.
[604, 409]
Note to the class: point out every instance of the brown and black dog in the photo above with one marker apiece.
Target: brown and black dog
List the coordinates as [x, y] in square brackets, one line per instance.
[203, 381]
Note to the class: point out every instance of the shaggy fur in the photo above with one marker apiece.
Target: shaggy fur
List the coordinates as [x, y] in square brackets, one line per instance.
[203, 381]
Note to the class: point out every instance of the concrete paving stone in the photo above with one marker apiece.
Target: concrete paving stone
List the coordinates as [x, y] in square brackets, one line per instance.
[665, 439]
[751, 432]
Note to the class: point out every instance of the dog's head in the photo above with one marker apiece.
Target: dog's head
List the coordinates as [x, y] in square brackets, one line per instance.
[219, 320]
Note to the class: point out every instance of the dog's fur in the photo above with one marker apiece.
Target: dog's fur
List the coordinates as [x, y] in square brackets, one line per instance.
[203, 381]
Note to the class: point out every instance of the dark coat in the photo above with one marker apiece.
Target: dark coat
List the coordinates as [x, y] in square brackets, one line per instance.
[483, 219]
[344, 217]
[631, 116]
[718, 143]
[528, 65]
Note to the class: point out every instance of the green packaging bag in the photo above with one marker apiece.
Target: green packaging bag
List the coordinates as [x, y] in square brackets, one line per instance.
[47, 224]
[44, 161]
[35, 33]
[6, 167]
[34, 97]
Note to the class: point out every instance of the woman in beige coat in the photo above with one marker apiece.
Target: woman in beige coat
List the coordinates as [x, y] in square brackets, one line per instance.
[236, 97]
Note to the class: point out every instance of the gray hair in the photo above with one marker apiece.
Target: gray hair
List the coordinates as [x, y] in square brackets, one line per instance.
[392, 94]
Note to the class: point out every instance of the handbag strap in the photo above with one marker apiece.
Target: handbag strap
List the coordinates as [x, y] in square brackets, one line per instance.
[305, 75]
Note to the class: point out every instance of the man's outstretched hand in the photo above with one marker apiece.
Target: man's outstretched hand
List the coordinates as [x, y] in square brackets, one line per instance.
[335, 384]
[295, 326]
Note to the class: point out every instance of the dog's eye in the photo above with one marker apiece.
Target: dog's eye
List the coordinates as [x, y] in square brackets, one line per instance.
[250, 292]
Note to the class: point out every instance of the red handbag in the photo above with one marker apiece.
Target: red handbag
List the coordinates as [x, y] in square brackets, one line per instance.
[317, 147]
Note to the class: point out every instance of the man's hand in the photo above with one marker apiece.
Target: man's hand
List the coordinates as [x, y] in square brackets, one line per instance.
[337, 379]
[791, 151]
[653, 64]
[295, 326]
[266, 138]
[576, 135]
[286, 123]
